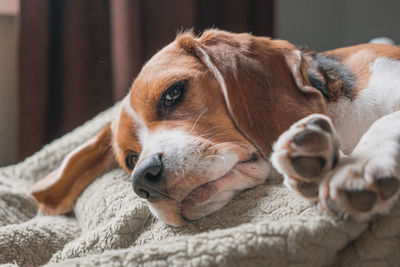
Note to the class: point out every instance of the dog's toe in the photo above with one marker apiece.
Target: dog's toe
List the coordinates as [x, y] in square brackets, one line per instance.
[362, 200]
[322, 124]
[308, 167]
[306, 152]
[311, 140]
[356, 190]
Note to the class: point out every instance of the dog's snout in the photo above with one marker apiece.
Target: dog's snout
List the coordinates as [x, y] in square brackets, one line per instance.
[148, 180]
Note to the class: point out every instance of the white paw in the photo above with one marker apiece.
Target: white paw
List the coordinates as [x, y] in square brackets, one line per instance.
[361, 187]
[305, 153]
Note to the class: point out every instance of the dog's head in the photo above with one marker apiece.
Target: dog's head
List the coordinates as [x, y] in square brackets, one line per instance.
[196, 126]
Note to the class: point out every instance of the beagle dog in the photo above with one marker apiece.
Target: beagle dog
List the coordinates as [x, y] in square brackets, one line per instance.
[208, 116]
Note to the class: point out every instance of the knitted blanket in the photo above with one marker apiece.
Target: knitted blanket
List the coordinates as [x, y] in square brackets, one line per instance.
[265, 226]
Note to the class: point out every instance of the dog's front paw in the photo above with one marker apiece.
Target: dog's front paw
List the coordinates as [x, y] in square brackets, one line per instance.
[361, 187]
[305, 152]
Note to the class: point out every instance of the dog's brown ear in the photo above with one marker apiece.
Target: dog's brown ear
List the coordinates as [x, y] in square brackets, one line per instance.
[264, 82]
[57, 192]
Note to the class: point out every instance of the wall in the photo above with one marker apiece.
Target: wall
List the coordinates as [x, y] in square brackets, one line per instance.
[8, 88]
[326, 24]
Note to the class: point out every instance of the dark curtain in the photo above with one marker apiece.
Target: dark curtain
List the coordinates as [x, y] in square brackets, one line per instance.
[78, 57]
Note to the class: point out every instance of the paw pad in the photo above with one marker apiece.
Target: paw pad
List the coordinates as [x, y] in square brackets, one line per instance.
[362, 200]
[308, 166]
[387, 186]
[308, 189]
[322, 124]
[313, 140]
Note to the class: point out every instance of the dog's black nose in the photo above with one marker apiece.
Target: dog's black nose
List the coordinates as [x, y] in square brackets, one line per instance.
[147, 179]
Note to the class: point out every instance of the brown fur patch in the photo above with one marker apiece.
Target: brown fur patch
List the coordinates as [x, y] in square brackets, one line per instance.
[57, 192]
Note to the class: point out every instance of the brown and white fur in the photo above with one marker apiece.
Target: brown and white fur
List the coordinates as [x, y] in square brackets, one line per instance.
[246, 101]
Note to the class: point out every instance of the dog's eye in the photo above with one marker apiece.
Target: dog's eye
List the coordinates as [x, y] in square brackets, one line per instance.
[173, 93]
[131, 160]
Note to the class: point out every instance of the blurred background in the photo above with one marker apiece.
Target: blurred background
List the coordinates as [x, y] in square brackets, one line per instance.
[64, 61]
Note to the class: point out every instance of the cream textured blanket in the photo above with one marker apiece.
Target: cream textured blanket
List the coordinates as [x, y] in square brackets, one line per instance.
[265, 226]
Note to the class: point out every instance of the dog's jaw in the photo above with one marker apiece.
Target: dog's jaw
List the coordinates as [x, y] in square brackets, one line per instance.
[201, 176]
[211, 196]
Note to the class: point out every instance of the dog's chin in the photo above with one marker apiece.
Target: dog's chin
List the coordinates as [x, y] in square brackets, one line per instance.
[212, 196]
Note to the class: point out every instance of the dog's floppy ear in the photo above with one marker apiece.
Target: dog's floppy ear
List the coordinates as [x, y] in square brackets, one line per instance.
[57, 192]
[264, 82]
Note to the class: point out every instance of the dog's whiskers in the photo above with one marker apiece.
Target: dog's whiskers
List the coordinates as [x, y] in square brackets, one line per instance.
[147, 217]
[197, 120]
[210, 135]
[216, 156]
[223, 144]
[206, 134]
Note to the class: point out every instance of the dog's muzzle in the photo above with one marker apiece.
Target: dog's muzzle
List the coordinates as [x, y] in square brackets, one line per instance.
[148, 180]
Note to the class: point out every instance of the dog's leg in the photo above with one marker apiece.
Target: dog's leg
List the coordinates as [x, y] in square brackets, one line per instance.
[367, 182]
[362, 185]
[305, 153]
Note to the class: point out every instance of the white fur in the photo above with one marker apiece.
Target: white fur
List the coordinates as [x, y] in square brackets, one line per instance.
[219, 77]
[114, 129]
[382, 40]
[352, 118]
[141, 129]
